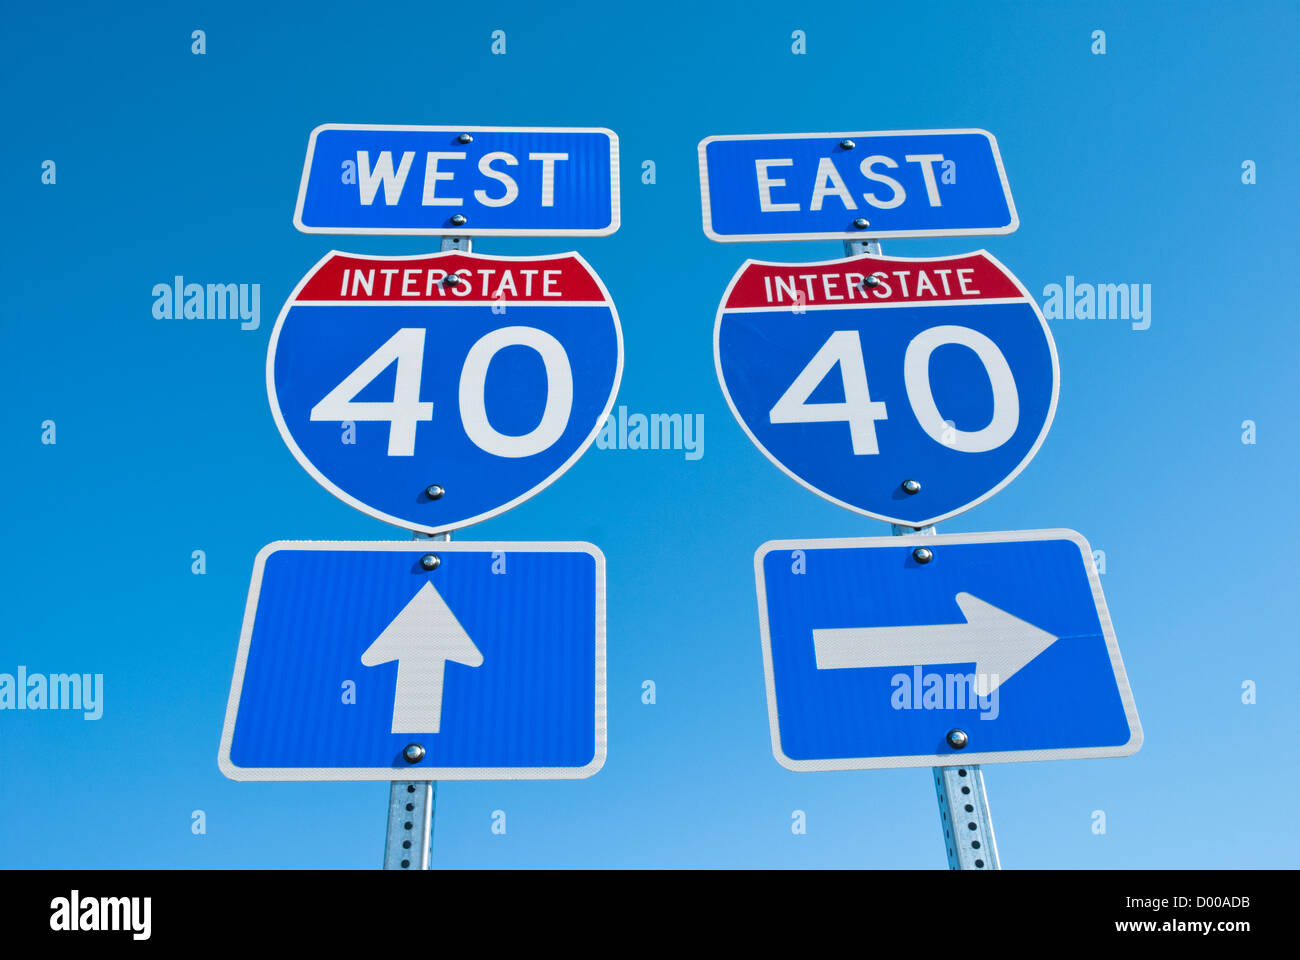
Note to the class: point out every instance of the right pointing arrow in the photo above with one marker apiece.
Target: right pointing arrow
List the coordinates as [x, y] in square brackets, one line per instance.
[422, 638]
[996, 642]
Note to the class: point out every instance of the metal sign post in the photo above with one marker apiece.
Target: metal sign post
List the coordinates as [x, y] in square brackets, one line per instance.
[409, 840]
[410, 824]
[963, 804]
[964, 814]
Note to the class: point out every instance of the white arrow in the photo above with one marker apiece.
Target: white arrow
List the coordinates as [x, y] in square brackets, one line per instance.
[422, 638]
[996, 642]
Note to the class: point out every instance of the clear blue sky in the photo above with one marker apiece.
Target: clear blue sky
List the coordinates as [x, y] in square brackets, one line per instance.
[1125, 167]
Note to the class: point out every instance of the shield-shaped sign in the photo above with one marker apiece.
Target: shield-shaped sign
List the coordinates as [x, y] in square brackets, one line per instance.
[905, 389]
[436, 391]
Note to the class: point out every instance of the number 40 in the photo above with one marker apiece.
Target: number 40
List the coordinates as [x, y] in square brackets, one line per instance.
[860, 412]
[406, 410]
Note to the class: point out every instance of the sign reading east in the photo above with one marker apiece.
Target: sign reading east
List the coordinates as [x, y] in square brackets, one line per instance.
[490, 658]
[877, 649]
[462, 181]
[908, 390]
[436, 391]
[826, 186]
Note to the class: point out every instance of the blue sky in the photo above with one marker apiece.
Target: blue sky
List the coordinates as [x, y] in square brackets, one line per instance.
[1125, 167]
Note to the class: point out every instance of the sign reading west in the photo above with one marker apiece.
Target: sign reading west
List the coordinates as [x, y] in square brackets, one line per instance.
[461, 181]
[827, 186]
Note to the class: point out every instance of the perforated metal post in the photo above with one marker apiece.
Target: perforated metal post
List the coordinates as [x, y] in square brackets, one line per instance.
[963, 804]
[411, 802]
[856, 248]
[410, 825]
[964, 814]
[410, 808]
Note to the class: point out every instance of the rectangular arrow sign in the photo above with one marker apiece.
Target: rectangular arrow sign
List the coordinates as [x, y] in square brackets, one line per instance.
[487, 658]
[854, 186]
[459, 181]
[874, 654]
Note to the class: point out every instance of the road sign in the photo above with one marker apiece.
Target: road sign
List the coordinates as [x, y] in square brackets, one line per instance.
[905, 389]
[850, 186]
[872, 656]
[431, 404]
[461, 181]
[492, 662]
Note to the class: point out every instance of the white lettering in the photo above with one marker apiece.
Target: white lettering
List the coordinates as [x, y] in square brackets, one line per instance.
[548, 174]
[766, 183]
[485, 168]
[432, 175]
[927, 162]
[899, 195]
[830, 182]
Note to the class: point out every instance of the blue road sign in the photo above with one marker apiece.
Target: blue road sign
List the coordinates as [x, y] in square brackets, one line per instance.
[907, 390]
[461, 181]
[826, 186]
[436, 391]
[493, 662]
[873, 657]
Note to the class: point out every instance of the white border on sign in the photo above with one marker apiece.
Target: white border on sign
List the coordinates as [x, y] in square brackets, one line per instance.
[1051, 346]
[615, 214]
[415, 771]
[365, 508]
[957, 757]
[707, 212]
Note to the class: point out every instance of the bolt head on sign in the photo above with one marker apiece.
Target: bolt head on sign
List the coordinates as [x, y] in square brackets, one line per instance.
[387, 382]
[943, 372]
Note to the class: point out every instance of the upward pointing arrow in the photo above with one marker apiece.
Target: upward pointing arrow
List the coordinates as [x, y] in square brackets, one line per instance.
[996, 642]
[422, 638]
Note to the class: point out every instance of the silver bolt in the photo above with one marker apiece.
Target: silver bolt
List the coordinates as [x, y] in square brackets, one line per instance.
[957, 739]
[922, 555]
[911, 486]
[458, 219]
[847, 144]
[430, 561]
[434, 491]
[413, 753]
[452, 279]
[861, 223]
[871, 281]
[465, 138]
